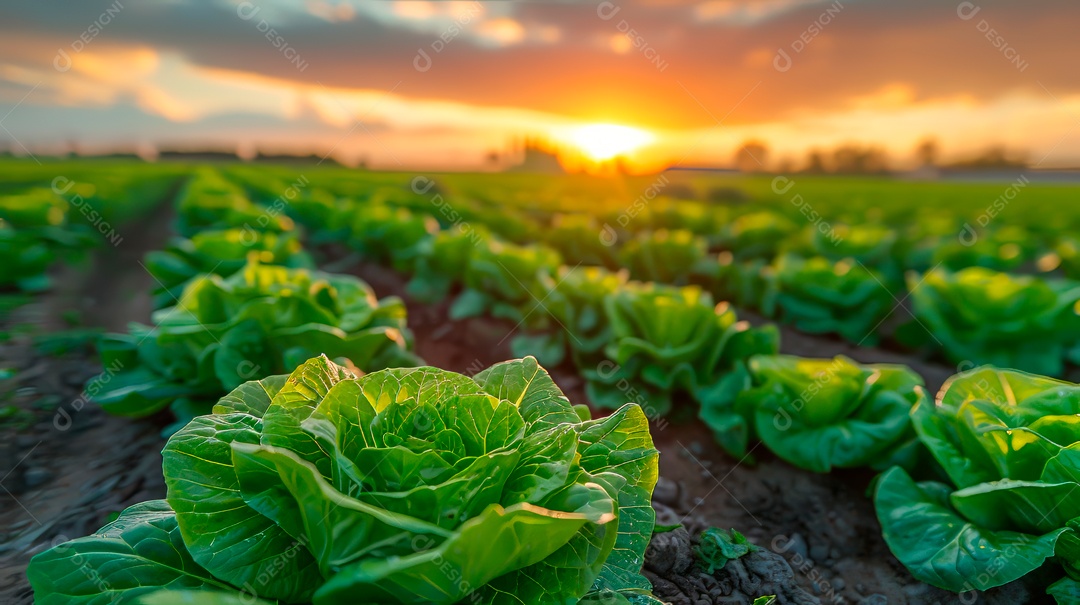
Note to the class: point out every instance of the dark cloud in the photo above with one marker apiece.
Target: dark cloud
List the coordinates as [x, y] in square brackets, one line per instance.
[711, 65]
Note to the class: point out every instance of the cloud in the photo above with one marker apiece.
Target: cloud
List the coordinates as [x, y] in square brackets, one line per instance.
[500, 32]
[497, 65]
[741, 12]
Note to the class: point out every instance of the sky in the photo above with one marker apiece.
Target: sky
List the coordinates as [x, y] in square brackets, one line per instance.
[414, 84]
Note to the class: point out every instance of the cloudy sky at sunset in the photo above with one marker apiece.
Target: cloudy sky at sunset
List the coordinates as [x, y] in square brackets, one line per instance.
[415, 84]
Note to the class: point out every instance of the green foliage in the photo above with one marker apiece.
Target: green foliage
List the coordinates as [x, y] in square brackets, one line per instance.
[757, 235]
[442, 261]
[36, 231]
[1065, 591]
[718, 546]
[743, 283]
[208, 201]
[322, 214]
[982, 316]
[506, 281]
[385, 234]
[62, 342]
[1009, 443]
[145, 539]
[575, 299]
[667, 257]
[578, 239]
[818, 413]
[668, 339]
[262, 319]
[220, 253]
[820, 296]
[401, 486]
[1006, 248]
[1066, 254]
[871, 244]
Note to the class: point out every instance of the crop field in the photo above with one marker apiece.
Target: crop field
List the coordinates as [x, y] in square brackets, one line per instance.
[230, 383]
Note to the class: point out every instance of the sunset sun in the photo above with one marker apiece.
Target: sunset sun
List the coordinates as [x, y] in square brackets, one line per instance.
[605, 141]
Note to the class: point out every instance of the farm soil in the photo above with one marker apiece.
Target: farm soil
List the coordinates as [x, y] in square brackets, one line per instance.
[818, 538]
[66, 466]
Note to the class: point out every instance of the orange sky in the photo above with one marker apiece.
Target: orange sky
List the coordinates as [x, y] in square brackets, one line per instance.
[425, 84]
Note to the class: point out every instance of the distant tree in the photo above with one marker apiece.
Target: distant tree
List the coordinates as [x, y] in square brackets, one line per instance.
[751, 157]
[992, 158]
[927, 152]
[815, 162]
[853, 159]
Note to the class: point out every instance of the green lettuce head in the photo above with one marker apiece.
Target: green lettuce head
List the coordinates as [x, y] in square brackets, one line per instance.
[820, 296]
[1010, 445]
[402, 486]
[819, 414]
[667, 340]
[982, 316]
[261, 320]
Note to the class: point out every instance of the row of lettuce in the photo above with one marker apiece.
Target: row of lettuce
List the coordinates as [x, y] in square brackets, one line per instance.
[343, 481]
[41, 226]
[969, 498]
[652, 343]
[237, 304]
[880, 223]
[864, 281]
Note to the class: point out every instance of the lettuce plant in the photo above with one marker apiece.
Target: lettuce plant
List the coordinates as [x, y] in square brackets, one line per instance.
[1009, 443]
[385, 233]
[507, 281]
[818, 413]
[321, 213]
[757, 235]
[210, 201]
[442, 261]
[35, 232]
[575, 300]
[27, 257]
[744, 283]
[667, 339]
[983, 316]
[1067, 254]
[717, 547]
[221, 253]
[873, 245]
[667, 257]
[403, 486]
[577, 237]
[689, 214]
[1004, 249]
[262, 319]
[819, 296]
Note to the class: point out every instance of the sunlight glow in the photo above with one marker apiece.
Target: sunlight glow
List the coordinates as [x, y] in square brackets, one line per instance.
[605, 141]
